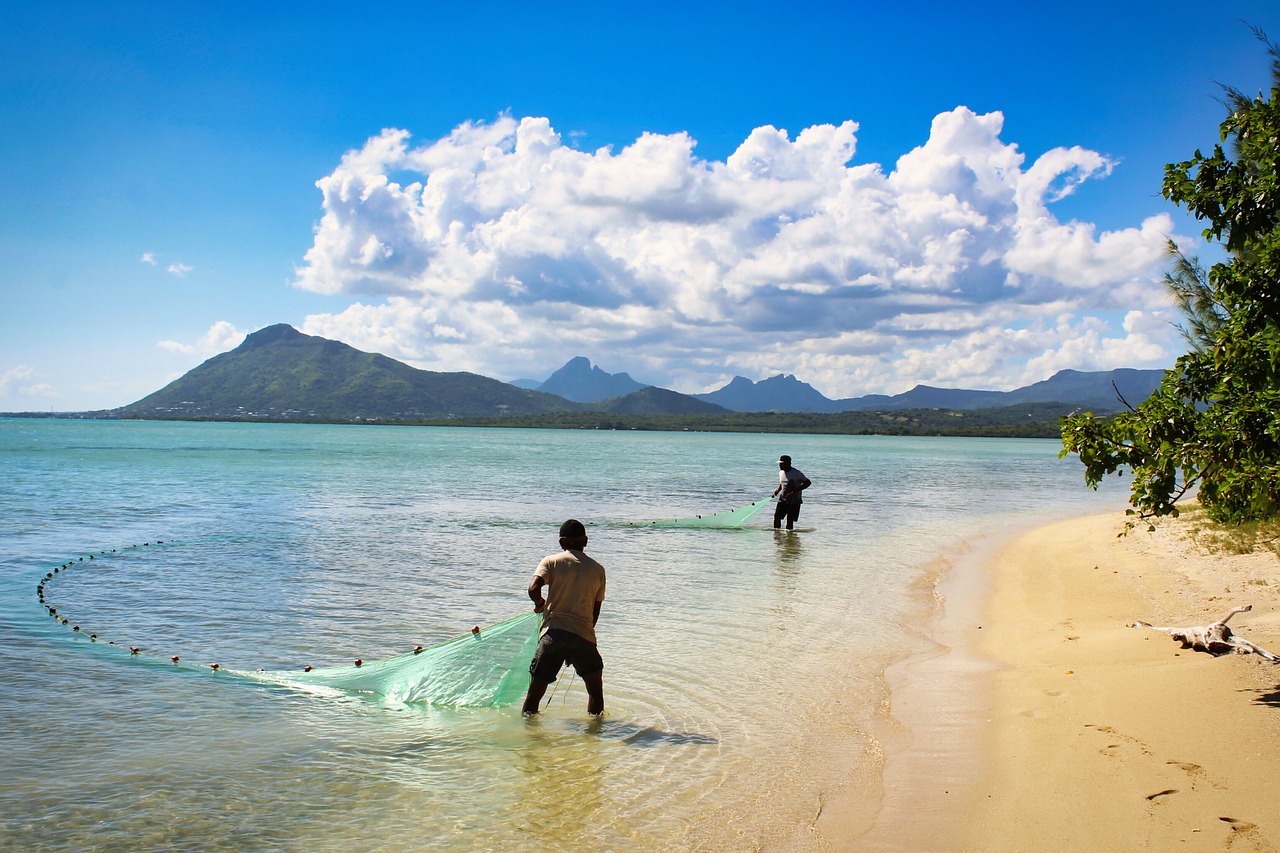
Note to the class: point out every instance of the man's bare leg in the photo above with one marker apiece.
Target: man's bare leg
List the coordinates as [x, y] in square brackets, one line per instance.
[595, 693]
[534, 697]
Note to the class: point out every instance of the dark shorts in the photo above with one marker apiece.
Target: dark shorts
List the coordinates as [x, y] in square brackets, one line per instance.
[558, 647]
[788, 509]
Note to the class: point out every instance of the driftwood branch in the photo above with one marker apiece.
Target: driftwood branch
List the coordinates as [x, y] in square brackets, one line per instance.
[1216, 639]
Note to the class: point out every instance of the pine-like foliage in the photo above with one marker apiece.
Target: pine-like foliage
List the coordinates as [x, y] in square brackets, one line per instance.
[1214, 424]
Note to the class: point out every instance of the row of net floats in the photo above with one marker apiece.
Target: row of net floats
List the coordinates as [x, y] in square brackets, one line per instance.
[135, 650]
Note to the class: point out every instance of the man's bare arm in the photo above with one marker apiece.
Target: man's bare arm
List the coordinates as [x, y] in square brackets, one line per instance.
[535, 593]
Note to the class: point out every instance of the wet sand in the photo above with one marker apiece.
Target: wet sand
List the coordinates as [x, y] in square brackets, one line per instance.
[1038, 719]
[1100, 736]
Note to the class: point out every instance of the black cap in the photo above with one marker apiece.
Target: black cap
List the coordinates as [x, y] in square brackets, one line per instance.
[786, 459]
[572, 529]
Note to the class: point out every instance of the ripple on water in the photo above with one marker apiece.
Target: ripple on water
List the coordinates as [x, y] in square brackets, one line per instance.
[742, 667]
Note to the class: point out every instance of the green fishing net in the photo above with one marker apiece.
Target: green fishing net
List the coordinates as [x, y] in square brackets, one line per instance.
[488, 667]
[728, 518]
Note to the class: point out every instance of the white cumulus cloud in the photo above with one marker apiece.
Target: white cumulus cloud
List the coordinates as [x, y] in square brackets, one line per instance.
[19, 382]
[503, 250]
[220, 337]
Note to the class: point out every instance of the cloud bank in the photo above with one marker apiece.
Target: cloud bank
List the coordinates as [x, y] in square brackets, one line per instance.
[502, 250]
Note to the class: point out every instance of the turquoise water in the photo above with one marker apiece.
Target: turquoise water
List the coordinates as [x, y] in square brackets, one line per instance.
[743, 668]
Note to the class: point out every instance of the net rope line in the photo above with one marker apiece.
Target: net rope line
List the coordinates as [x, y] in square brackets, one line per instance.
[486, 667]
[727, 519]
[561, 687]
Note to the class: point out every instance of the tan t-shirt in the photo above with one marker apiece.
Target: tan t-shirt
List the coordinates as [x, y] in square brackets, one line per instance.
[575, 582]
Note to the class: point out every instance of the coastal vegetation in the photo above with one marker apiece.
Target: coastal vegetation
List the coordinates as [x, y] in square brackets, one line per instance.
[1035, 420]
[1032, 420]
[1247, 537]
[1213, 426]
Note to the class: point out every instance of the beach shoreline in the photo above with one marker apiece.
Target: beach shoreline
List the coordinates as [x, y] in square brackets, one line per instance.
[939, 696]
[1042, 720]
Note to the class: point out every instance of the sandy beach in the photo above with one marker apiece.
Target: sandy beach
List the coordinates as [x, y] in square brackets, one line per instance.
[1094, 735]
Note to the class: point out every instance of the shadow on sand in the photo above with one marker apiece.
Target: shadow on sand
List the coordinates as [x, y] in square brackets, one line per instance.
[1271, 699]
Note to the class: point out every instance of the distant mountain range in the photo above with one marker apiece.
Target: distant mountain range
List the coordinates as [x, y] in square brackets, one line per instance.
[1096, 391]
[278, 373]
[578, 380]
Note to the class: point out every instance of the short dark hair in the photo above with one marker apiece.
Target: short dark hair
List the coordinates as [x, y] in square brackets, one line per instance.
[572, 529]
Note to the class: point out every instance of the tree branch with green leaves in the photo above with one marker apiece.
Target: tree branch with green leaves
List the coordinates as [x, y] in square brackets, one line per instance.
[1213, 427]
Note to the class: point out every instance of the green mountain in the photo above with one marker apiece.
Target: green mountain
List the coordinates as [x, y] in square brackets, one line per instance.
[278, 373]
[651, 400]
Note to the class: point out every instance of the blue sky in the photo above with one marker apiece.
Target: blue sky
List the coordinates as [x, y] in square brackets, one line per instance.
[864, 197]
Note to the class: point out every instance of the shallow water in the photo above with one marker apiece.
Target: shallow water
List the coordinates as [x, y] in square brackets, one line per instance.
[743, 675]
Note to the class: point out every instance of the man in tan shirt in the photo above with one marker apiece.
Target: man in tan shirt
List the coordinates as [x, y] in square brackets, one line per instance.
[575, 590]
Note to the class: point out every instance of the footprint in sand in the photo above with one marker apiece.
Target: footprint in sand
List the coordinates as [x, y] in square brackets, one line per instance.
[1195, 771]
[1243, 830]
[1238, 825]
[1111, 748]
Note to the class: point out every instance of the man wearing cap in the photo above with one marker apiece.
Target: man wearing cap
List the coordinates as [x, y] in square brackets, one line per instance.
[575, 590]
[791, 482]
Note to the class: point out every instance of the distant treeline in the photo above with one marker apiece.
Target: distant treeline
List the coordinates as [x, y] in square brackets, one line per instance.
[1036, 420]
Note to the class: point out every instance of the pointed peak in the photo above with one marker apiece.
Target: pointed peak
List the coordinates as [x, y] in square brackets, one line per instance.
[271, 334]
